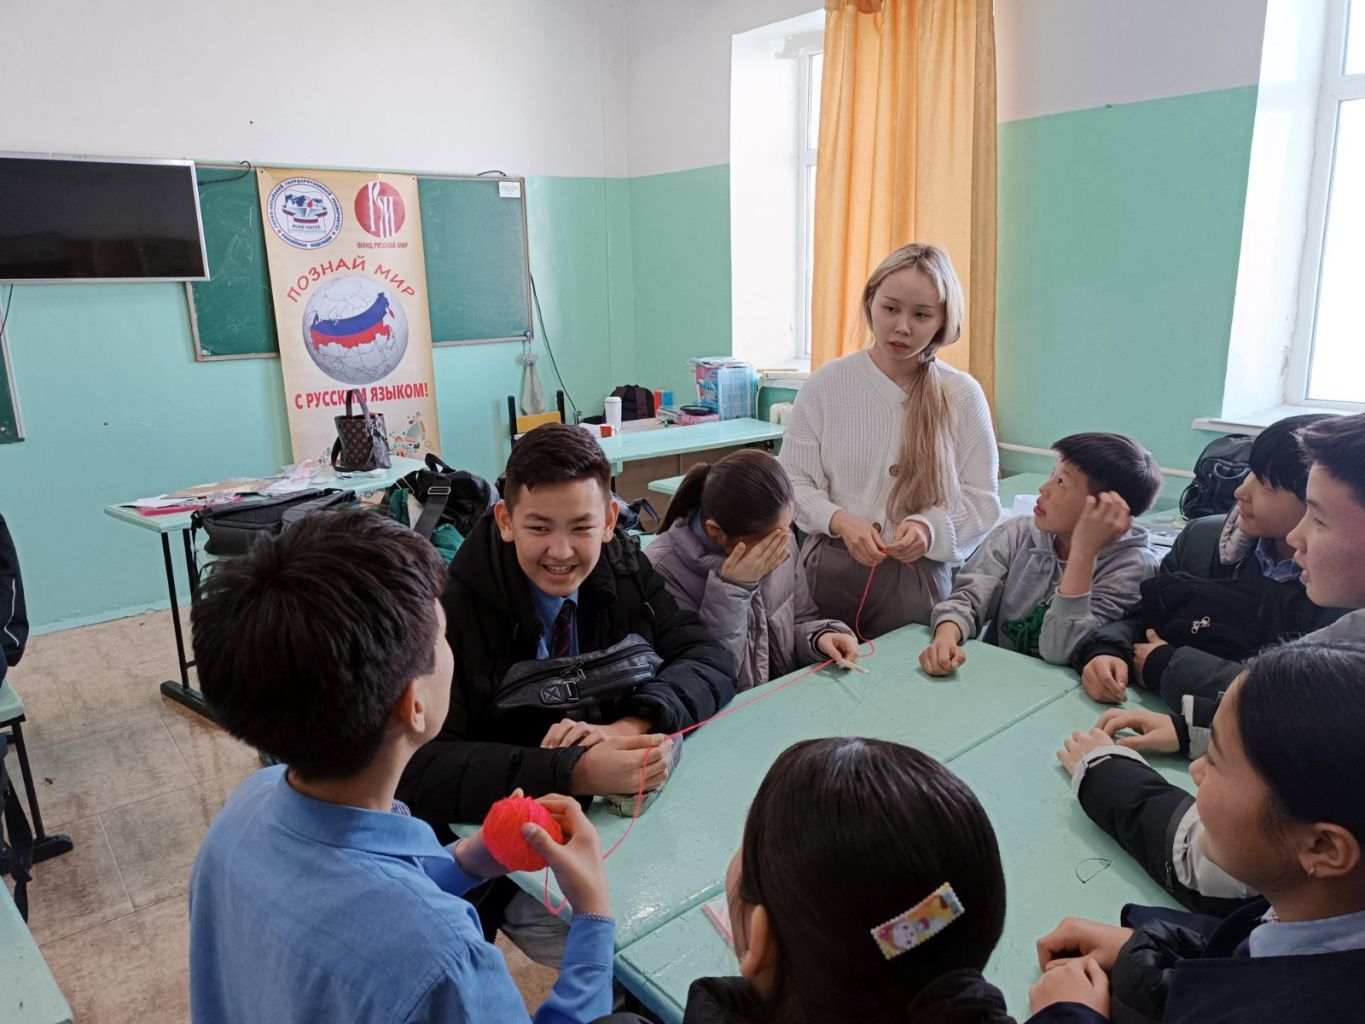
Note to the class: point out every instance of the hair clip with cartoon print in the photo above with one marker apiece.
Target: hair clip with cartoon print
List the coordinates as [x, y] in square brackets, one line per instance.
[920, 923]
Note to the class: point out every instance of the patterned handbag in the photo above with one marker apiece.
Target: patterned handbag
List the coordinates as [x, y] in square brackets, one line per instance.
[360, 444]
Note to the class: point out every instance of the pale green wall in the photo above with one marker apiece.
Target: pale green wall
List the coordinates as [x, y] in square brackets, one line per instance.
[115, 407]
[1119, 235]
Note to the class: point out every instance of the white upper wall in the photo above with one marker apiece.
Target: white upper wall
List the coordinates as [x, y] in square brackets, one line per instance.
[436, 85]
[1059, 55]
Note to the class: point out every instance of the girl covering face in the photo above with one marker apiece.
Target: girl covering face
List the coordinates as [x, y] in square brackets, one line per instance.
[892, 454]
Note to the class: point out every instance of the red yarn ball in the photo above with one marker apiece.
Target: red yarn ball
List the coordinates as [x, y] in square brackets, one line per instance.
[502, 832]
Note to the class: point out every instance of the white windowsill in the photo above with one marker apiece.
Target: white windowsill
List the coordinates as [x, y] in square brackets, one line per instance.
[1255, 422]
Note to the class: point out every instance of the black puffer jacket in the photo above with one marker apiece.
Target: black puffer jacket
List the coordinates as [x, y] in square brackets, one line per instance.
[959, 997]
[492, 624]
[1211, 548]
[1182, 969]
[13, 612]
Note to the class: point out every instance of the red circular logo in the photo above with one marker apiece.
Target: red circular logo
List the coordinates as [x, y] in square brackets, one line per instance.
[379, 209]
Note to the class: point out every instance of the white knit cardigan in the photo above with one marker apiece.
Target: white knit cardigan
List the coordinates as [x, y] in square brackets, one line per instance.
[843, 440]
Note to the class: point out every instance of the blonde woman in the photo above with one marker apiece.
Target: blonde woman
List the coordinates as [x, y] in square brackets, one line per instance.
[892, 453]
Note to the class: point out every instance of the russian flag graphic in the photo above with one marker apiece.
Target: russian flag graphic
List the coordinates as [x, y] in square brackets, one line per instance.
[352, 331]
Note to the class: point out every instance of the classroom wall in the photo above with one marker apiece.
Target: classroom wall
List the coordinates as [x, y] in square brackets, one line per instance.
[1123, 148]
[115, 407]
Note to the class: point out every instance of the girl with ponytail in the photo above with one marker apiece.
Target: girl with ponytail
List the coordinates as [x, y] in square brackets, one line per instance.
[892, 454]
[726, 551]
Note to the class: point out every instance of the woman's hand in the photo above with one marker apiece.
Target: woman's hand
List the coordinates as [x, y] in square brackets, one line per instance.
[910, 543]
[838, 647]
[863, 541]
[1076, 938]
[750, 563]
[1155, 731]
[1076, 981]
[1078, 744]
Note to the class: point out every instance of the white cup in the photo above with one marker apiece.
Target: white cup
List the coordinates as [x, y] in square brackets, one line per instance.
[614, 413]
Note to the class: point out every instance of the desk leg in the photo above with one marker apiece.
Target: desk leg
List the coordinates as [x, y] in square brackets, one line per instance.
[181, 692]
[44, 845]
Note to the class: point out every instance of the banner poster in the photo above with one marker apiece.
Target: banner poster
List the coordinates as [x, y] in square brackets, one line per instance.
[348, 274]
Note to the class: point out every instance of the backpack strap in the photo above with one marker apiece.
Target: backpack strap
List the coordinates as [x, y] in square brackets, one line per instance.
[437, 496]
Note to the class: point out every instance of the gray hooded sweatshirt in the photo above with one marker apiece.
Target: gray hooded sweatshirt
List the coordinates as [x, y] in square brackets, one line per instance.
[771, 627]
[1008, 588]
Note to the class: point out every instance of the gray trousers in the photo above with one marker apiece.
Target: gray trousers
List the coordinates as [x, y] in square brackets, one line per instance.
[900, 593]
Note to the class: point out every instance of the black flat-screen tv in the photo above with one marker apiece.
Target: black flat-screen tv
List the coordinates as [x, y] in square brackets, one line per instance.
[99, 220]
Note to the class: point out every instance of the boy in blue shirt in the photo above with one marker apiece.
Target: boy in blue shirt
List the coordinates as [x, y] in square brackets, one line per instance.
[316, 896]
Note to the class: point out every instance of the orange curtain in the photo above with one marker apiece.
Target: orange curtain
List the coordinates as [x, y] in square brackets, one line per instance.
[907, 154]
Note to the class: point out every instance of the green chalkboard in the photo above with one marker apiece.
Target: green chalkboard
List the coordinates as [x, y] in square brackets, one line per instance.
[475, 242]
[478, 275]
[231, 312]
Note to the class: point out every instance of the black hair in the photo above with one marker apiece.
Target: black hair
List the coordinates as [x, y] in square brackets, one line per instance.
[894, 825]
[555, 453]
[305, 642]
[1337, 443]
[1301, 714]
[1277, 458]
[1114, 462]
[744, 493]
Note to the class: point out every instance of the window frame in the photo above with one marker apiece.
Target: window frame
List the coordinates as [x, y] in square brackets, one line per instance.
[1336, 88]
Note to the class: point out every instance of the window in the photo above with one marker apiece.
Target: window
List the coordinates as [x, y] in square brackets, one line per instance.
[810, 68]
[1327, 356]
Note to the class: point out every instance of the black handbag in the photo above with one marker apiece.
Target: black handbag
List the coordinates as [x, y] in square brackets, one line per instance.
[232, 529]
[1230, 618]
[446, 495]
[579, 687]
[360, 445]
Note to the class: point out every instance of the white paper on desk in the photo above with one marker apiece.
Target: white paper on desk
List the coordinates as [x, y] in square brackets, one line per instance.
[284, 486]
[160, 501]
[718, 912]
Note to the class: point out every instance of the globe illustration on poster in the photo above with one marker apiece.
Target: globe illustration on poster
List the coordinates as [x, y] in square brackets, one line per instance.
[355, 329]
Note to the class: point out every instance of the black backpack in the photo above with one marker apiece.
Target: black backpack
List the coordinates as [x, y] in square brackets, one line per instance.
[234, 527]
[447, 495]
[1228, 618]
[637, 402]
[1221, 468]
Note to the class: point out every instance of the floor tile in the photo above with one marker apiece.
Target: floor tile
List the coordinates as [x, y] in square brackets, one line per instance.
[208, 749]
[45, 719]
[78, 889]
[533, 979]
[155, 841]
[132, 970]
[91, 774]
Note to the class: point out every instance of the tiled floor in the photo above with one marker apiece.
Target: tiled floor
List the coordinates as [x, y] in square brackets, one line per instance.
[134, 780]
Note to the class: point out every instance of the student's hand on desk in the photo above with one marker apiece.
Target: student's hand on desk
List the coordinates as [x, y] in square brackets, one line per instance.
[943, 656]
[1078, 744]
[1105, 679]
[910, 543]
[1141, 651]
[613, 766]
[750, 563]
[577, 864]
[838, 647]
[861, 538]
[1077, 981]
[1104, 520]
[1155, 731]
[1076, 939]
[569, 733]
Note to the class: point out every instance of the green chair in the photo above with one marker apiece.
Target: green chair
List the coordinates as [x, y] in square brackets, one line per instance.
[45, 846]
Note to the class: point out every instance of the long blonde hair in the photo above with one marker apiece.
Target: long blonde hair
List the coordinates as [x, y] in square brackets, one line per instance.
[926, 473]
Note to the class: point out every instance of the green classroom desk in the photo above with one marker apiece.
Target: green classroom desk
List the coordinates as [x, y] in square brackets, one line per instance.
[181, 692]
[28, 992]
[695, 437]
[676, 854]
[1057, 862]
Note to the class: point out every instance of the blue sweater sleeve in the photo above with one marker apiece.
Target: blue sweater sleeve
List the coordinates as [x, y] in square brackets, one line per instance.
[583, 991]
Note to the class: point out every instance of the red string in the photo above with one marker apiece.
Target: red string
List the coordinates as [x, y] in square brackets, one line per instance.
[644, 765]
